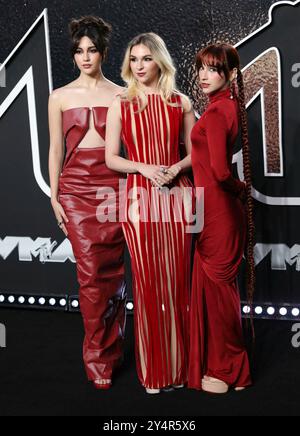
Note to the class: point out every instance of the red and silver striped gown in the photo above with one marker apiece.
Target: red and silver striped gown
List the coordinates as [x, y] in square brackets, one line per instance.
[160, 251]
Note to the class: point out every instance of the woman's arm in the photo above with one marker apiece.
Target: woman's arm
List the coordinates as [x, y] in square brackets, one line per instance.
[188, 124]
[56, 155]
[113, 142]
[217, 136]
[113, 148]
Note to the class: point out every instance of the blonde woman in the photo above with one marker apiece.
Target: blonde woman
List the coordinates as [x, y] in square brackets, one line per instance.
[153, 118]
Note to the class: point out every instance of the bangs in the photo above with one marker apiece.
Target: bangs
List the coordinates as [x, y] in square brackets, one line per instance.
[212, 56]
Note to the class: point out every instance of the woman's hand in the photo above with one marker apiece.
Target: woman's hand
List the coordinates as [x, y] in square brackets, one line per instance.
[60, 215]
[157, 174]
[173, 172]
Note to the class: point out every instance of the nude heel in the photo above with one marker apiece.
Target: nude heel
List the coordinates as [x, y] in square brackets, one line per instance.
[214, 386]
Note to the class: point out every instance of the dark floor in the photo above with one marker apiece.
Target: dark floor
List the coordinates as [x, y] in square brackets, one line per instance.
[42, 375]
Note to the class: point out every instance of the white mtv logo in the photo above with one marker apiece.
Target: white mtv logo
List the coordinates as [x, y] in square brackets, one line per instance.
[2, 76]
[281, 255]
[41, 248]
[270, 56]
[2, 336]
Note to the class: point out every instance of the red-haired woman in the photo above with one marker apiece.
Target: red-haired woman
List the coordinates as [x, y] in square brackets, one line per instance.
[218, 358]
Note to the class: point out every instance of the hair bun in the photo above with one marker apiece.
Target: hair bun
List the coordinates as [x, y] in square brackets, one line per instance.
[74, 26]
[89, 21]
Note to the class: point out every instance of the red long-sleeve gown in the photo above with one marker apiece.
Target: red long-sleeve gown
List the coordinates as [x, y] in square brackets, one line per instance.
[216, 339]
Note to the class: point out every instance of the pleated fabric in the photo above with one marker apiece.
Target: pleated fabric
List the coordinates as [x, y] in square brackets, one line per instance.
[159, 246]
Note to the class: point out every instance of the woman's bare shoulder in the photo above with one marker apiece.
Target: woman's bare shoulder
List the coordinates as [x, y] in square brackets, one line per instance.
[186, 103]
[63, 91]
[114, 88]
[60, 96]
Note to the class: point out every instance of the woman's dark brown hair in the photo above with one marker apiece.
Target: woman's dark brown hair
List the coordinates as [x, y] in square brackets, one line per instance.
[225, 58]
[94, 28]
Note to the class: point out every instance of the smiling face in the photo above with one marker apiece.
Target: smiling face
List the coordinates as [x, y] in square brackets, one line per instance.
[211, 80]
[144, 69]
[87, 57]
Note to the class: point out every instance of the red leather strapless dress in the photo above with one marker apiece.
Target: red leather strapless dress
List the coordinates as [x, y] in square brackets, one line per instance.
[98, 246]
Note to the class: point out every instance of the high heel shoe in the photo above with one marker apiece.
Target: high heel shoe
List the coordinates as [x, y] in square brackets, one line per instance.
[178, 386]
[214, 385]
[152, 391]
[102, 384]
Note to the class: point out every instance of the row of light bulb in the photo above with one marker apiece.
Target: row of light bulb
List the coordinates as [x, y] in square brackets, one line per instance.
[42, 301]
[75, 305]
[283, 311]
[34, 300]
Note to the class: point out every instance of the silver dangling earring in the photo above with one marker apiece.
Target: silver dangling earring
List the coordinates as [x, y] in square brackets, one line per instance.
[74, 64]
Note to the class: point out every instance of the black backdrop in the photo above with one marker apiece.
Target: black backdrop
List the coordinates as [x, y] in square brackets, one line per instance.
[34, 256]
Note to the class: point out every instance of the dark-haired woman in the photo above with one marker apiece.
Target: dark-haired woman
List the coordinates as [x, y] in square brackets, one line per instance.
[218, 358]
[79, 183]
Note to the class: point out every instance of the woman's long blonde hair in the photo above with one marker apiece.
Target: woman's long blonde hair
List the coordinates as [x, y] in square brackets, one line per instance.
[162, 57]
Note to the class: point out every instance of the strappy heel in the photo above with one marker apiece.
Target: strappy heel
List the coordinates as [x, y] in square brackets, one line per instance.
[102, 384]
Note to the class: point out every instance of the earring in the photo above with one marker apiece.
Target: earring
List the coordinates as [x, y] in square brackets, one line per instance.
[232, 90]
[74, 64]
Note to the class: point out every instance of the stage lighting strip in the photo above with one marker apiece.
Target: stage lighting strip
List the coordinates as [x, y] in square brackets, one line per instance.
[53, 302]
[71, 304]
[267, 311]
